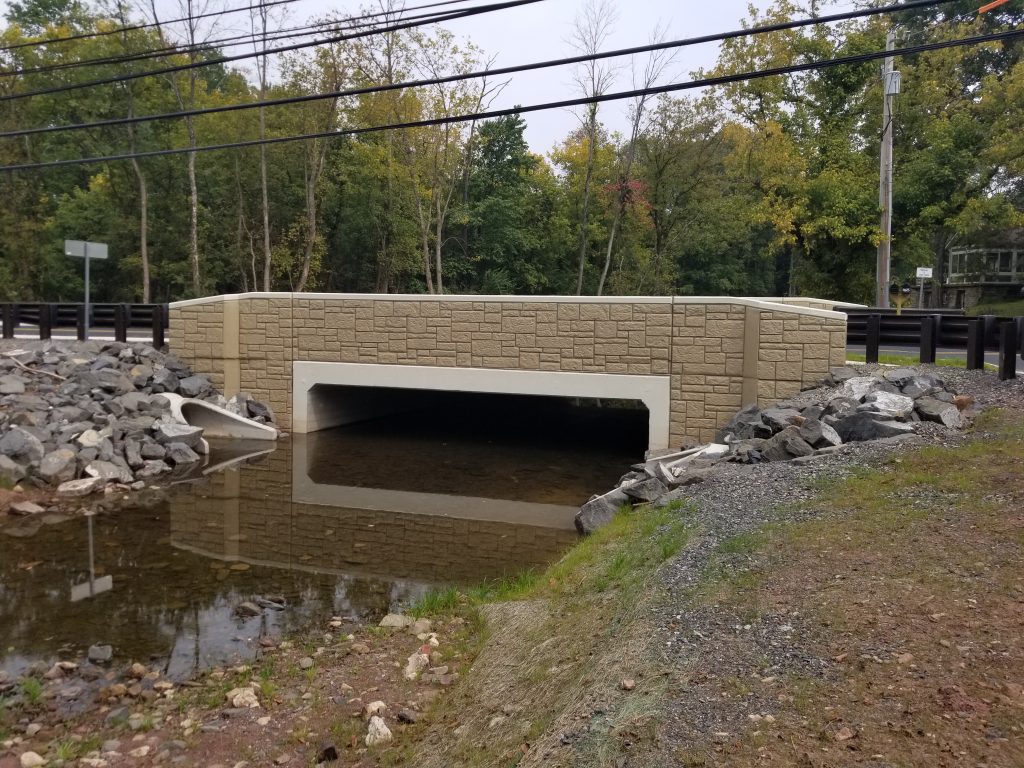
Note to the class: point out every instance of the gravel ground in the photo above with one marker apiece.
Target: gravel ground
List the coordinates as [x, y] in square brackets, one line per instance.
[736, 499]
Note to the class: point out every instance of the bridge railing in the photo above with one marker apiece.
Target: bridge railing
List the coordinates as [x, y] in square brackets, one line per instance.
[931, 329]
[118, 321]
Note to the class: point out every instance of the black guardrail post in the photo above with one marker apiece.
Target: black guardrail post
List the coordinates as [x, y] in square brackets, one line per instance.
[81, 321]
[1020, 336]
[871, 335]
[159, 326]
[1007, 350]
[991, 337]
[928, 340]
[122, 317]
[10, 315]
[46, 313]
[975, 344]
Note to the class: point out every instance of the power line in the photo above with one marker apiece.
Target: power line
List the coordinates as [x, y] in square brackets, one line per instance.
[452, 119]
[132, 28]
[780, 26]
[240, 39]
[448, 16]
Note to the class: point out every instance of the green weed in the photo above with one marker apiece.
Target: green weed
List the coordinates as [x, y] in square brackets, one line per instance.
[32, 691]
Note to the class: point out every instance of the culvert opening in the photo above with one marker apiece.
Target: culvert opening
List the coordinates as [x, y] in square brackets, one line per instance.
[556, 450]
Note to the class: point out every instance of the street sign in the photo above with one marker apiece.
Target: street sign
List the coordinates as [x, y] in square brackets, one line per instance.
[85, 250]
[924, 272]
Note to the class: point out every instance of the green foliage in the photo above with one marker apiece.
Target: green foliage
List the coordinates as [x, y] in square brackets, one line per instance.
[761, 187]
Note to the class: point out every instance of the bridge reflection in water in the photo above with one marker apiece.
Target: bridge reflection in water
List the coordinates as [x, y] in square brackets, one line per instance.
[352, 522]
[375, 500]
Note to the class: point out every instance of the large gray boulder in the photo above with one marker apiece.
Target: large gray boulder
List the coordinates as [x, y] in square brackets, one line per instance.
[779, 418]
[648, 490]
[180, 453]
[194, 386]
[170, 432]
[81, 487]
[108, 472]
[599, 511]
[786, 445]
[746, 424]
[22, 446]
[11, 472]
[933, 409]
[918, 387]
[861, 426]
[900, 376]
[889, 405]
[858, 387]
[164, 380]
[260, 411]
[841, 406]
[152, 451]
[141, 374]
[114, 381]
[819, 434]
[12, 384]
[842, 374]
[133, 402]
[58, 466]
[152, 469]
[133, 453]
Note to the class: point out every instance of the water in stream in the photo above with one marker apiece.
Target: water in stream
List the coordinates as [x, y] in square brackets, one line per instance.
[353, 522]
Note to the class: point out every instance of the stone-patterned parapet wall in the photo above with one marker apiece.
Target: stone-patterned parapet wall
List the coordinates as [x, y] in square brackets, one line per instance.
[718, 353]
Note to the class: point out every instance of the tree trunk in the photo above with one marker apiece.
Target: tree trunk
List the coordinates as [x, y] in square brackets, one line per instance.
[585, 208]
[193, 239]
[143, 228]
[319, 156]
[266, 210]
[439, 232]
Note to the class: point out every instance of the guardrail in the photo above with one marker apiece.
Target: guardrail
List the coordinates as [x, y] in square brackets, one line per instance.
[929, 330]
[46, 319]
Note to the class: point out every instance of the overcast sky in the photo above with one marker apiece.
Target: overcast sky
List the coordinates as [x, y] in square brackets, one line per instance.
[536, 32]
[541, 30]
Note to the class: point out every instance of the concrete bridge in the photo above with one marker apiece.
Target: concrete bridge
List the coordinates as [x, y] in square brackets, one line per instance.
[327, 359]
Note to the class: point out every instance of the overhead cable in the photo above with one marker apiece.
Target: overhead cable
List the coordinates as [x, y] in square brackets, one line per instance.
[133, 27]
[496, 72]
[448, 16]
[518, 110]
[244, 38]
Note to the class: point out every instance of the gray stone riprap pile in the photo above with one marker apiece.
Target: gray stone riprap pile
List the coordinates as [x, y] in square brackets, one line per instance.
[81, 416]
[847, 407]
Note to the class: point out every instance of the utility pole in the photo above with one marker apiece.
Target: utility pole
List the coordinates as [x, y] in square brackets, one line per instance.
[890, 87]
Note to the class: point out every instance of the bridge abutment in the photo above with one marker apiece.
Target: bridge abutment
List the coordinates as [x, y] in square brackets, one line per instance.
[693, 361]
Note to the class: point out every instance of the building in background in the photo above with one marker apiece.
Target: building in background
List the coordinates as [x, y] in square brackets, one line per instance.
[985, 272]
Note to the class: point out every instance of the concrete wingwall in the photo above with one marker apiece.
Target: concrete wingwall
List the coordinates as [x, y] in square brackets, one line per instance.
[718, 353]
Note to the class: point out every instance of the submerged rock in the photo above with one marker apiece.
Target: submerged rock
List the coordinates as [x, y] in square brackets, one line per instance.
[100, 654]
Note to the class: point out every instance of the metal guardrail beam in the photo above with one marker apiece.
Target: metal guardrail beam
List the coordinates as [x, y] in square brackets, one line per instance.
[46, 318]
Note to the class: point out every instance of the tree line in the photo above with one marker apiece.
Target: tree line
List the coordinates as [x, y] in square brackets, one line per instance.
[762, 187]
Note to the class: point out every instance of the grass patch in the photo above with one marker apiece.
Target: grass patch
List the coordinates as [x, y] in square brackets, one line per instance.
[556, 637]
[1001, 308]
[32, 691]
[620, 555]
[891, 359]
[900, 573]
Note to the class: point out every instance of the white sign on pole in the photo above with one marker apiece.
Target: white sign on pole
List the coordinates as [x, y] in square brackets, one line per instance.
[81, 249]
[924, 272]
[88, 251]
